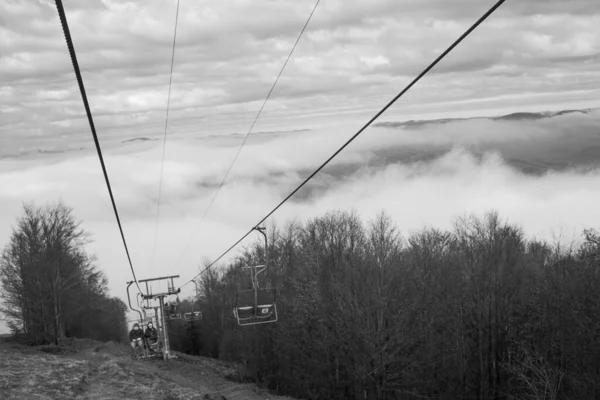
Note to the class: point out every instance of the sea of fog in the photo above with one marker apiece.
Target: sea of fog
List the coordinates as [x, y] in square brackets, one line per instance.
[539, 171]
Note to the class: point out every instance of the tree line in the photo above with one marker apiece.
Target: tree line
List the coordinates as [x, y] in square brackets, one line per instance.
[50, 286]
[475, 312]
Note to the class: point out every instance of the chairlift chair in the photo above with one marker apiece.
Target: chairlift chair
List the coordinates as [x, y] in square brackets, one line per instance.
[173, 310]
[192, 316]
[149, 349]
[257, 305]
[195, 314]
[154, 348]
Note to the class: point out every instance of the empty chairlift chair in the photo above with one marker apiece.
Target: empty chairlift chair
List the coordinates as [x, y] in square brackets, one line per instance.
[172, 310]
[256, 305]
[193, 316]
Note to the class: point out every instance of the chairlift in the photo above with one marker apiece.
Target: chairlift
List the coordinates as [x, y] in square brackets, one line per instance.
[257, 305]
[154, 349]
[192, 316]
[151, 350]
[171, 288]
[172, 310]
[145, 302]
[195, 314]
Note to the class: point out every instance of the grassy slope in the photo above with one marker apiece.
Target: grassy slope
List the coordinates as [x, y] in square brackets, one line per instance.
[94, 371]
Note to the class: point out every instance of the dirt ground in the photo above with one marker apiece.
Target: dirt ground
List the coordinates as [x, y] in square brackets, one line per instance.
[88, 370]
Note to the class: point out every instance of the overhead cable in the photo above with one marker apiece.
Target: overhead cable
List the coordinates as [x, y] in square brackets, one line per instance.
[65, 27]
[410, 85]
[248, 134]
[162, 164]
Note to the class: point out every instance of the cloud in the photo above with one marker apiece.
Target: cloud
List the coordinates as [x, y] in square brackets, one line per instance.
[540, 173]
[353, 56]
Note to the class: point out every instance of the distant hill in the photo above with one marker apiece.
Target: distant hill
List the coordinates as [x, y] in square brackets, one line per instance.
[259, 133]
[138, 139]
[518, 116]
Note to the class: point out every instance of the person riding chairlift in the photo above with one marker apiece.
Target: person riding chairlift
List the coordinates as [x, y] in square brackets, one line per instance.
[151, 335]
[136, 338]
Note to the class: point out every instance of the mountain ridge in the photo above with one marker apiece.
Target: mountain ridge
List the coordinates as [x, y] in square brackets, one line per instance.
[515, 116]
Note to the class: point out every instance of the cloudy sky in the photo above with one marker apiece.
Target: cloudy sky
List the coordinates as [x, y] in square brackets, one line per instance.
[531, 55]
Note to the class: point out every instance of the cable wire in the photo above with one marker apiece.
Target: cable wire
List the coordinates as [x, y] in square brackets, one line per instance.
[67, 33]
[410, 85]
[248, 134]
[162, 164]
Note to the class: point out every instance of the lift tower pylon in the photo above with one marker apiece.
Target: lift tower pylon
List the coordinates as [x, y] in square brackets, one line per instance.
[163, 329]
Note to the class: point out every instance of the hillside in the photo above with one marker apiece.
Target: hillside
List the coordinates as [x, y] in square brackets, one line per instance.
[517, 116]
[93, 370]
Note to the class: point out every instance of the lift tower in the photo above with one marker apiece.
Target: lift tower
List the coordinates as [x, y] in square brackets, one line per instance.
[163, 329]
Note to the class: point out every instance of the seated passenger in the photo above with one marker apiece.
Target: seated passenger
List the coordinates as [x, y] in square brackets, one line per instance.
[151, 335]
[136, 337]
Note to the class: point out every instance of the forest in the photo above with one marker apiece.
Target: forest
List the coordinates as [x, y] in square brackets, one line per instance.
[50, 287]
[366, 311]
[475, 312]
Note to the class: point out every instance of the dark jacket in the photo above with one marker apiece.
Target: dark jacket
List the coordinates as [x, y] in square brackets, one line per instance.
[136, 334]
[151, 333]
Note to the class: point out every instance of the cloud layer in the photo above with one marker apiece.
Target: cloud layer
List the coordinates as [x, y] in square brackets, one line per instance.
[354, 55]
[424, 175]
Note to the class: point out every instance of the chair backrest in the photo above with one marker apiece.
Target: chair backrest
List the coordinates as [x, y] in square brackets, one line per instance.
[192, 316]
[263, 314]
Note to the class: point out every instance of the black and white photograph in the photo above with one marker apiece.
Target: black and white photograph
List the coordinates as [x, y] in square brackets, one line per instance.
[300, 199]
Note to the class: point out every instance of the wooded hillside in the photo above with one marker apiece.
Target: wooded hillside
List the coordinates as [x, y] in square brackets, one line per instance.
[478, 312]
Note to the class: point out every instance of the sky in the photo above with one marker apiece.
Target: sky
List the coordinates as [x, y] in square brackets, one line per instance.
[355, 56]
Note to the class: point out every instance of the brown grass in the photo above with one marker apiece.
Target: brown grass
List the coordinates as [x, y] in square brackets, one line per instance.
[85, 369]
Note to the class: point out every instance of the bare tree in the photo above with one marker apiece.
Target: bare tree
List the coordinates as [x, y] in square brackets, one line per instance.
[49, 282]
